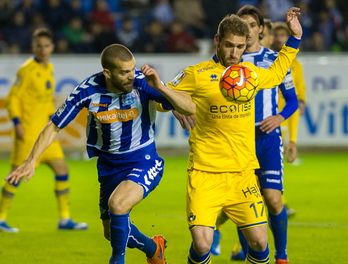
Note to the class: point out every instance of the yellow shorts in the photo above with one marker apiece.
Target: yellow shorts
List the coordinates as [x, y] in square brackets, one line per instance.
[23, 147]
[236, 193]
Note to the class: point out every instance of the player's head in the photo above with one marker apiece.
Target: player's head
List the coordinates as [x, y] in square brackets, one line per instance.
[281, 34]
[230, 40]
[254, 18]
[42, 44]
[268, 36]
[118, 68]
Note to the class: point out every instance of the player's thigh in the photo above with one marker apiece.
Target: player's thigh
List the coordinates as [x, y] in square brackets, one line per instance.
[256, 237]
[246, 207]
[205, 197]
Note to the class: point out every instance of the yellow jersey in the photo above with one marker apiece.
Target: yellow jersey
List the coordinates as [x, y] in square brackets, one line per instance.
[223, 139]
[291, 123]
[31, 97]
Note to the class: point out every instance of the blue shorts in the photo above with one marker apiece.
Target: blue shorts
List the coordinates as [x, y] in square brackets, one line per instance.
[148, 174]
[269, 152]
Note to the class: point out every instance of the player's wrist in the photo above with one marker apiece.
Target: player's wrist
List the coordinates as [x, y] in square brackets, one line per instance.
[293, 42]
[16, 121]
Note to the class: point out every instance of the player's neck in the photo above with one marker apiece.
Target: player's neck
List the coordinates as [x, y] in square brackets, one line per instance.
[253, 48]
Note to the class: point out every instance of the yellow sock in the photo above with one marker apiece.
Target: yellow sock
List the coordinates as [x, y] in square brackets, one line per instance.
[7, 193]
[237, 248]
[63, 198]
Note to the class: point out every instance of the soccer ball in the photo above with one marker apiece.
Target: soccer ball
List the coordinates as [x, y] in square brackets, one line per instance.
[239, 84]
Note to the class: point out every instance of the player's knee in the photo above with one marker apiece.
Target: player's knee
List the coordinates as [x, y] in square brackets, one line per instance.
[118, 207]
[202, 247]
[259, 244]
[274, 205]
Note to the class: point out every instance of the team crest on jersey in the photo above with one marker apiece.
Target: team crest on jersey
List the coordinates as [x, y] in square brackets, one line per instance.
[61, 109]
[178, 78]
[191, 217]
[128, 99]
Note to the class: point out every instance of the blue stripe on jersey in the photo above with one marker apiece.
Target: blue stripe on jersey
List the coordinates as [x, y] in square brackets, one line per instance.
[105, 101]
[126, 136]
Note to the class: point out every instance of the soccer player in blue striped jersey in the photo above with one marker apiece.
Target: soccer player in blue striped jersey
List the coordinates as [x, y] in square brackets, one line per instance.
[120, 131]
[269, 147]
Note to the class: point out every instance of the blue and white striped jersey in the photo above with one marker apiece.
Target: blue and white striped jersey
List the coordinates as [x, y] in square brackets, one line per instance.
[118, 124]
[266, 100]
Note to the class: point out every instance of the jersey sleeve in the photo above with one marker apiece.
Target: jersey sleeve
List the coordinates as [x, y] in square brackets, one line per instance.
[76, 101]
[13, 100]
[288, 91]
[275, 74]
[184, 81]
[299, 81]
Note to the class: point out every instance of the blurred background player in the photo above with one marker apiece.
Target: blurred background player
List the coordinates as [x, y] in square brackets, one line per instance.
[269, 147]
[30, 104]
[290, 126]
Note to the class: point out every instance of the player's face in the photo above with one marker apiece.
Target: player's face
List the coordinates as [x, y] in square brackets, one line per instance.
[42, 48]
[121, 77]
[267, 39]
[280, 37]
[255, 30]
[229, 49]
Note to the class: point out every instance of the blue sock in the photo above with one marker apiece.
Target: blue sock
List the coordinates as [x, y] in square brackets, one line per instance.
[194, 258]
[243, 241]
[140, 241]
[279, 226]
[119, 233]
[255, 256]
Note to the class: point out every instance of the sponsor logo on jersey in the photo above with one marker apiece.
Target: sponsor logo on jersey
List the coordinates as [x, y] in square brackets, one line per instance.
[101, 105]
[123, 115]
[288, 83]
[273, 181]
[205, 69]
[61, 109]
[178, 78]
[214, 78]
[271, 172]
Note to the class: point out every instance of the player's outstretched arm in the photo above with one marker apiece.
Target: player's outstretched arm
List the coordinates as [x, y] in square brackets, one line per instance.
[26, 171]
[293, 22]
[186, 122]
[181, 101]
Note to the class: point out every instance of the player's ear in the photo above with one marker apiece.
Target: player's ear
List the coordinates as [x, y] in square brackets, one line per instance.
[106, 73]
[216, 39]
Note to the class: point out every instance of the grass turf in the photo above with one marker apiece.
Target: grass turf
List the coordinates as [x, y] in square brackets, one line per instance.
[316, 189]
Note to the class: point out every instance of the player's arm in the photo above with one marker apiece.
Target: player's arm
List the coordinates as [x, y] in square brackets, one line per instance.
[290, 150]
[274, 75]
[26, 171]
[14, 102]
[181, 101]
[300, 85]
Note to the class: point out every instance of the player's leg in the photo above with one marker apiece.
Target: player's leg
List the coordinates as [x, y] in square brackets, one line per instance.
[205, 198]
[135, 185]
[247, 210]
[62, 191]
[8, 192]
[215, 247]
[278, 221]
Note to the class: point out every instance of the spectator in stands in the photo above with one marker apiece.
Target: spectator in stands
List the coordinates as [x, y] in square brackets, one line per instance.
[6, 9]
[62, 46]
[37, 21]
[18, 33]
[163, 12]
[192, 15]
[102, 14]
[179, 40]
[55, 13]
[102, 37]
[317, 42]
[79, 39]
[154, 41]
[128, 34]
[276, 9]
[29, 8]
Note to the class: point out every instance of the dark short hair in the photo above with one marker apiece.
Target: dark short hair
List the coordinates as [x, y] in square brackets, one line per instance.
[268, 24]
[114, 52]
[233, 24]
[281, 26]
[254, 12]
[42, 32]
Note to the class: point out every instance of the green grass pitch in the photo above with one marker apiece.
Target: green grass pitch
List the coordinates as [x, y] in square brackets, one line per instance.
[316, 189]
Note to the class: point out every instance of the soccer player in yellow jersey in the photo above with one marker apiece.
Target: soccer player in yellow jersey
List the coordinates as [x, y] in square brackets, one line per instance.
[30, 104]
[222, 155]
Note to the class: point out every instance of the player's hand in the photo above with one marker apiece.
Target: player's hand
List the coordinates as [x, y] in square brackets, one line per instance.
[19, 131]
[152, 77]
[270, 123]
[293, 22]
[301, 107]
[290, 152]
[25, 171]
[186, 122]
